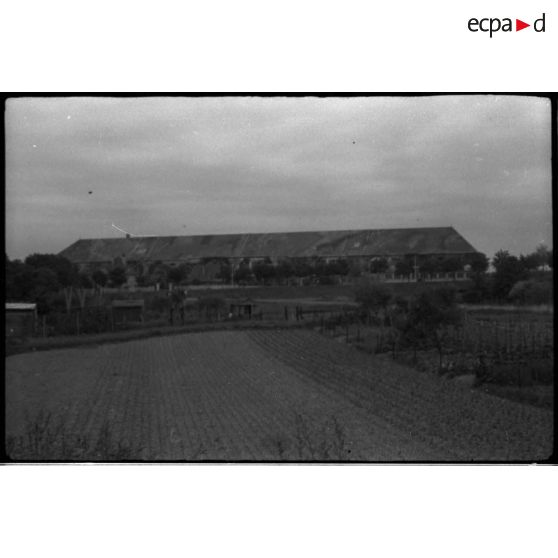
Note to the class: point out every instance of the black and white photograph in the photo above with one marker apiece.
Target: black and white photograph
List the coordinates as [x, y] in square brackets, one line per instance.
[279, 279]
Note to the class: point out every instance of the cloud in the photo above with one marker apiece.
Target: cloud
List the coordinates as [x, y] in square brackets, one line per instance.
[249, 164]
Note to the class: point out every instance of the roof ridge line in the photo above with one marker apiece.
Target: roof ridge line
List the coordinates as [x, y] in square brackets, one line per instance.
[269, 233]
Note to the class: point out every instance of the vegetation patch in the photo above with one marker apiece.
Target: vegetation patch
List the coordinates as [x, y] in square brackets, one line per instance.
[258, 394]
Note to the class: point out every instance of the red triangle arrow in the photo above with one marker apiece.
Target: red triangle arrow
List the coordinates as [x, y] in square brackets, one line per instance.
[519, 25]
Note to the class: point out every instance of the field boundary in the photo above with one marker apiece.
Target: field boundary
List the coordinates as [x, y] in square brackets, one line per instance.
[51, 343]
[537, 309]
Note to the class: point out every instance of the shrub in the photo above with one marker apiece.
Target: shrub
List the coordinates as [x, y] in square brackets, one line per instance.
[480, 289]
[373, 296]
[212, 306]
[379, 265]
[84, 281]
[19, 280]
[178, 275]
[159, 304]
[531, 292]
[56, 302]
[508, 271]
[404, 267]
[450, 265]
[326, 280]
[472, 296]
[318, 441]
[64, 270]
[243, 275]
[428, 317]
[51, 302]
[47, 438]
[99, 277]
[284, 270]
[521, 374]
[478, 262]
[264, 272]
[141, 281]
[117, 276]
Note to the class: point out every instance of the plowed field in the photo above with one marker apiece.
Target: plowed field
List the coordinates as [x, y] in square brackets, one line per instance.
[254, 395]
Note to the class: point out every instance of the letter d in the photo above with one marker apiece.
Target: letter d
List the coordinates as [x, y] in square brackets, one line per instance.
[541, 30]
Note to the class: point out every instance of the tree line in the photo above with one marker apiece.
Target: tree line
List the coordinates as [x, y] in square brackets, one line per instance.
[41, 278]
[421, 320]
[524, 279]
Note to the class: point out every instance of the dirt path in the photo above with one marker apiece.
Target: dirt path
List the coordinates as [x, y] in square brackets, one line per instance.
[254, 395]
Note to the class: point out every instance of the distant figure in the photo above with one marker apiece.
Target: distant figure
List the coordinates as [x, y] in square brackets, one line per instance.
[90, 191]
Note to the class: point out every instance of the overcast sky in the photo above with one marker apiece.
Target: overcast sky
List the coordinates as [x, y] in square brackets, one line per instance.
[174, 166]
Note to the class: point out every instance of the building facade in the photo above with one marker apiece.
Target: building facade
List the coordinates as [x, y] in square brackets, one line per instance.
[205, 254]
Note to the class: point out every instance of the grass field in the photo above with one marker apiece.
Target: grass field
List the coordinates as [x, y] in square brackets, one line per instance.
[260, 395]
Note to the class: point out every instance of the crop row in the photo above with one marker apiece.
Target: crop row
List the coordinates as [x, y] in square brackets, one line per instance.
[211, 396]
[503, 337]
[462, 424]
[253, 395]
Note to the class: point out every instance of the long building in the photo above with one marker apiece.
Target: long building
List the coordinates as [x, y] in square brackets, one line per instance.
[358, 246]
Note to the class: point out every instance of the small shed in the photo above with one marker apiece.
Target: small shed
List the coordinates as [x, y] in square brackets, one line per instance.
[21, 319]
[243, 309]
[125, 311]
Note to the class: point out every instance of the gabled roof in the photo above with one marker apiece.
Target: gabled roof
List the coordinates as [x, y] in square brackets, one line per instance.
[379, 242]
